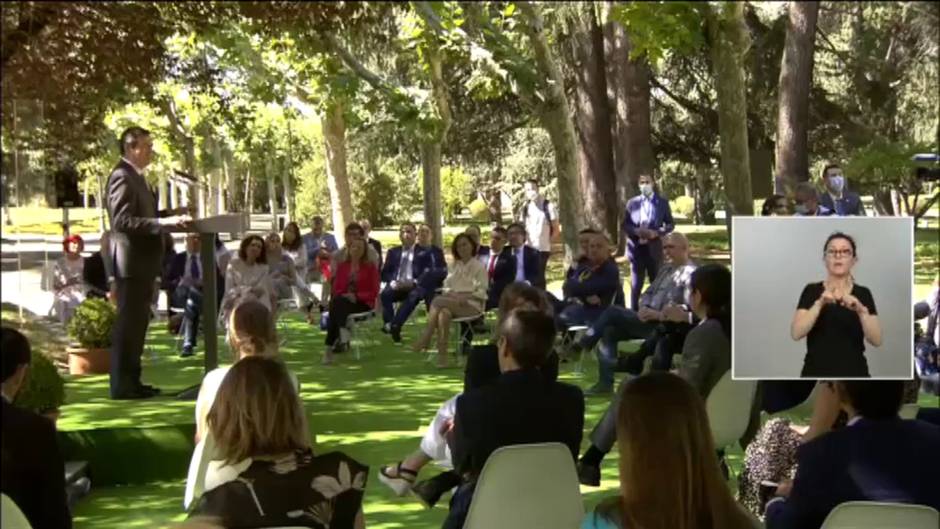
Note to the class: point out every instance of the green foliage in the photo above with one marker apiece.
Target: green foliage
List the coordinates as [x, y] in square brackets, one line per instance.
[373, 194]
[683, 205]
[312, 194]
[882, 164]
[479, 210]
[456, 190]
[44, 389]
[656, 28]
[91, 324]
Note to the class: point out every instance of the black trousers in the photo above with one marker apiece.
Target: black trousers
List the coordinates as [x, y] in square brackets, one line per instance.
[340, 309]
[134, 296]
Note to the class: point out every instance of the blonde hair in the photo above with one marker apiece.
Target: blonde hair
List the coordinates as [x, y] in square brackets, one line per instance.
[669, 473]
[251, 330]
[257, 412]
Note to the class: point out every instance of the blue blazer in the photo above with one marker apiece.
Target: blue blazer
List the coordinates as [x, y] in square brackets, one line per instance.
[891, 460]
[393, 263]
[430, 260]
[505, 272]
[850, 204]
[661, 221]
[603, 283]
[177, 268]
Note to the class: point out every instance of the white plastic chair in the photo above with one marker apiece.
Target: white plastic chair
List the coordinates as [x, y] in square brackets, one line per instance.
[881, 515]
[909, 411]
[729, 409]
[11, 517]
[532, 485]
[355, 321]
[198, 466]
[459, 334]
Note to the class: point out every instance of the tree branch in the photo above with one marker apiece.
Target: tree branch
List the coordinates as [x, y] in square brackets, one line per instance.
[686, 103]
[358, 68]
[39, 17]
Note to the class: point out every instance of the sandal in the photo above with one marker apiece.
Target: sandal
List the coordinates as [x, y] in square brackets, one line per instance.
[401, 482]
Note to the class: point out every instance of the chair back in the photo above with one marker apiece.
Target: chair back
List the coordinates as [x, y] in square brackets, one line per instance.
[11, 517]
[198, 466]
[880, 515]
[909, 411]
[729, 409]
[532, 485]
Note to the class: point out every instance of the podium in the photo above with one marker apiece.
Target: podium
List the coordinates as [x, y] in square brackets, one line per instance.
[209, 228]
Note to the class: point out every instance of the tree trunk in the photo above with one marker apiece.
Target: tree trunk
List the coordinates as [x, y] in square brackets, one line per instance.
[593, 125]
[704, 205]
[796, 79]
[272, 192]
[337, 179]
[555, 117]
[229, 203]
[193, 192]
[494, 198]
[162, 199]
[288, 195]
[729, 41]
[249, 203]
[431, 171]
[174, 195]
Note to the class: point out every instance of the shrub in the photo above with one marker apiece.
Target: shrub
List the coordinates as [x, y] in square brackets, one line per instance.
[92, 322]
[479, 210]
[683, 205]
[44, 389]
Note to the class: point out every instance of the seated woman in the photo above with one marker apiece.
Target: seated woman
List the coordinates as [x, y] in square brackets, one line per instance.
[355, 288]
[669, 476]
[266, 474]
[248, 277]
[68, 281]
[285, 278]
[482, 369]
[293, 245]
[464, 295]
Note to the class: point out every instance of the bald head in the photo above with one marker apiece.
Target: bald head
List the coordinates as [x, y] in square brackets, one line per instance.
[676, 248]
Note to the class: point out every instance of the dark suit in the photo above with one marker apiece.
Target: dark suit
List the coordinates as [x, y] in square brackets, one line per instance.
[891, 460]
[138, 250]
[33, 472]
[505, 272]
[434, 266]
[645, 259]
[410, 297]
[586, 281]
[96, 275]
[521, 407]
[188, 297]
[849, 204]
[377, 246]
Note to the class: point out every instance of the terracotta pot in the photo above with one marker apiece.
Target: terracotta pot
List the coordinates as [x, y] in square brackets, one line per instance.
[88, 361]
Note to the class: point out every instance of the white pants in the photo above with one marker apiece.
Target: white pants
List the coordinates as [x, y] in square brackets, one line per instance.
[433, 443]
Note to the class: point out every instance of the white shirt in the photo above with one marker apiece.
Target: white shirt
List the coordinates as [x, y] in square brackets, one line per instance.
[520, 262]
[646, 211]
[537, 226]
[405, 267]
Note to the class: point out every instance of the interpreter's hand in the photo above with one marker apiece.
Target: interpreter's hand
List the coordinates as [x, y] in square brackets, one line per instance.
[676, 313]
[593, 300]
[785, 488]
[828, 296]
[852, 303]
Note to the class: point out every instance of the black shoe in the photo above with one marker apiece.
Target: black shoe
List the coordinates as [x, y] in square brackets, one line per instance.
[429, 492]
[589, 475]
[139, 393]
[386, 328]
[341, 347]
[187, 351]
[396, 334]
[154, 391]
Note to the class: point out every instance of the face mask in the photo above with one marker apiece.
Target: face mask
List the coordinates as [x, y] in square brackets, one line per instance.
[836, 183]
[531, 194]
[801, 209]
[646, 189]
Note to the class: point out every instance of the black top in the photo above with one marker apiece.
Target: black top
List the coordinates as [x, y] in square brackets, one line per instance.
[33, 472]
[835, 346]
[298, 490]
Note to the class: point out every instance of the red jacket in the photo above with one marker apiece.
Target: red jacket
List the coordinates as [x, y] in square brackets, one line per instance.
[367, 285]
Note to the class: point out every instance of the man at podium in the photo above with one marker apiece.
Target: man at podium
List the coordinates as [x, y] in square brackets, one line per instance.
[137, 253]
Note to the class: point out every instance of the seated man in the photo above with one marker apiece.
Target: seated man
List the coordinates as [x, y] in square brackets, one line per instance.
[436, 271]
[319, 245]
[592, 287]
[660, 303]
[400, 273]
[183, 284]
[33, 472]
[517, 262]
[97, 273]
[493, 256]
[807, 202]
[521, 407]
[876, 457]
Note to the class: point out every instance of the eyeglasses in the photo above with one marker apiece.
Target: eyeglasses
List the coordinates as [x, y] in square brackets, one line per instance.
[839, 253]
[668, 246]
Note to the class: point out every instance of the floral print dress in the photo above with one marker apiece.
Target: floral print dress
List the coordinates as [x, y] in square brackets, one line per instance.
[297, 489]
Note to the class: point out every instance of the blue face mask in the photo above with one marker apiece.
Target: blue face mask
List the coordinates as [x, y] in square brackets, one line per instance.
[801, 209]
[836, 183]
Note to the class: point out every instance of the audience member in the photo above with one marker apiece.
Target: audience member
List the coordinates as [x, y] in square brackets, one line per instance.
[295, 248]
[464, 296]
[473, 231]
[68, 282]
[32, 469]
[517, 262]
[403, 265]
[433, 277]
[248, 277]
[251, 333]
[494, 255]
[540, 220]
[267, 474]
[706, 357]
[320, 245]
[374, 244]
[774, 206]
[926, 354]
[647, 218]
[669, 476]
[807, 202]
[356, 285]
[592, 287]
[183, 283]
[666, 299]
[482, 369]
[521, 407]
[876, 457]
[839, 200]
[585, 237]
[285, 279]
[98, 272]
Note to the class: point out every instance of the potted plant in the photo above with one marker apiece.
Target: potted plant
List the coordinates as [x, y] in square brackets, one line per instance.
[90, 327]
[44, 389]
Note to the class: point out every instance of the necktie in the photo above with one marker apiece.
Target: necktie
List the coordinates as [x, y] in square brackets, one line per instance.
[492, 267]
[193, 267]
[405, 258]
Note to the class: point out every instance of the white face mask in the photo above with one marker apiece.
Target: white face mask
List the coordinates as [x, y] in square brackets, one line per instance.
[531, 194]
[646, 189]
